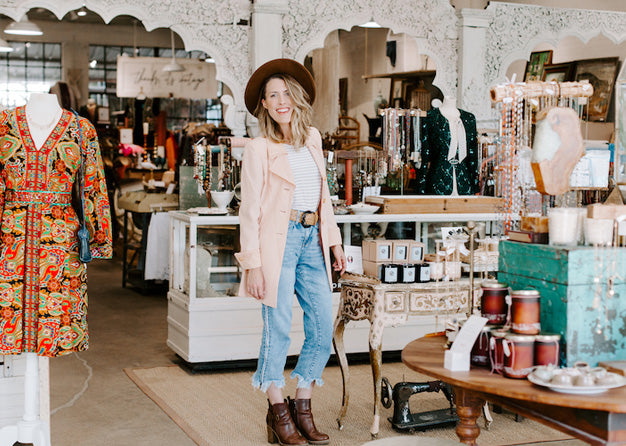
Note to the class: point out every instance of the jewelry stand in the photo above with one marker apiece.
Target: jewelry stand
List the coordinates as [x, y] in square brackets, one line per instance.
[30, 429]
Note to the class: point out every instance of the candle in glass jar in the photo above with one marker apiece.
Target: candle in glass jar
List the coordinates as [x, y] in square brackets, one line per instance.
[525, 312]
[519, 355]
[146, 128]
[547, 349]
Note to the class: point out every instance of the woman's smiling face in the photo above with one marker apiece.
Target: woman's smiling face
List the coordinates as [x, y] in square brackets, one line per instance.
[277, 101]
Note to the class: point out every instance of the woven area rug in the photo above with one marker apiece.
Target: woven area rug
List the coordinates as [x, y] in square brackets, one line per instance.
[222, 408]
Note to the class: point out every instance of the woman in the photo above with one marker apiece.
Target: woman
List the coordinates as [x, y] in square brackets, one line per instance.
[287, 227]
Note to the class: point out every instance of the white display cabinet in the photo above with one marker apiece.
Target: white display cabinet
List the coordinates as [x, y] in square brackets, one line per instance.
[207, 322]
[620, 129]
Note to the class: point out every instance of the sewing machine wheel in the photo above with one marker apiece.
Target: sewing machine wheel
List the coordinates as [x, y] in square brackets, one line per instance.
[386, 393]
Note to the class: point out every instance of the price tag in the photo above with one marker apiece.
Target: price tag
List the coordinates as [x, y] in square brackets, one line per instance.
[330, 156]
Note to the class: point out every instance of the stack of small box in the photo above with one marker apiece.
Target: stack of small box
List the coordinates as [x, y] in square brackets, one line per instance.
[395, 261]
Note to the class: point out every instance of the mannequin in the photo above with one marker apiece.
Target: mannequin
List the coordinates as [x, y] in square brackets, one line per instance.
[42, 114]
[449, 151]
[45, 309]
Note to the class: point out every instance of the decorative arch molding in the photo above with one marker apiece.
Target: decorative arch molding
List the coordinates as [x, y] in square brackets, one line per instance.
[514, 30]
[211, 28]
[432, 23]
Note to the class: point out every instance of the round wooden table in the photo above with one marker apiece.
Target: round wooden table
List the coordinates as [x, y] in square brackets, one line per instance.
[598, 419]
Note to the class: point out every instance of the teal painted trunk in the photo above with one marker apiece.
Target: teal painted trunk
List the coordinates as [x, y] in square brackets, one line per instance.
[575, 301]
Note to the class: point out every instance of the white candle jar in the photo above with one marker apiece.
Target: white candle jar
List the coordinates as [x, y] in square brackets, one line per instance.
[598, 231]
[563, 226]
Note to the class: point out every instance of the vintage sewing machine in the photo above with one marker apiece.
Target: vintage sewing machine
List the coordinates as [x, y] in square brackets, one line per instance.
[403, 419]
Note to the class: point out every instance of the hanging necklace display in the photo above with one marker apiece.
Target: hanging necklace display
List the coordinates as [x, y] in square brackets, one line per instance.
[202, 166]
[331, 173]
[224, 175]
[517, 103]
[401, 142]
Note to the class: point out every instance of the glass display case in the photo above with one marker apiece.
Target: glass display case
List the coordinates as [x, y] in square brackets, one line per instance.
[209, 323]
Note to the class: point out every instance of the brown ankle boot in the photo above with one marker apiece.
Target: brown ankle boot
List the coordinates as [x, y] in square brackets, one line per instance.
[280, 426]
[302, 416]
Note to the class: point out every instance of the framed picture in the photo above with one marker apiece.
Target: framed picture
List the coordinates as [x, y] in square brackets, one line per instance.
[534, 66]
[601, 74]
[395, 93]
[560, 72]
[103, 115]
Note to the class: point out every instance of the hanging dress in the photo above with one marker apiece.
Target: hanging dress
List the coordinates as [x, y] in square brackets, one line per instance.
[43, 284]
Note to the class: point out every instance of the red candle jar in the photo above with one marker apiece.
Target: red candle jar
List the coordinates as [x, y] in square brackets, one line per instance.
[480, 351]
[525, 312]
[519, 355]
[547, 349]
[496, 352]
[493, 304]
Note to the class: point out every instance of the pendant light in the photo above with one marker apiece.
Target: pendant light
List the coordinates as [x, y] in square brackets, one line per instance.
[23, 28]
[5, 47]
[173, 66]
[82, 12]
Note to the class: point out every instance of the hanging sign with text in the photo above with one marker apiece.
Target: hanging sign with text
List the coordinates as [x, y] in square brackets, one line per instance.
[145, 76]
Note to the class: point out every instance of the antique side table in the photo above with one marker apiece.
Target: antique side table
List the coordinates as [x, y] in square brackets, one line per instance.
[385, 305]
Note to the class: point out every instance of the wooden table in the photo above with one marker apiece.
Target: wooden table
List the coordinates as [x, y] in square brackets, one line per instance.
[385, 305]
[598, 419]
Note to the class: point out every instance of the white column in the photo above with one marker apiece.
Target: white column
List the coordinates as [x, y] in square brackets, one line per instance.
[266, 37]
[473, 94]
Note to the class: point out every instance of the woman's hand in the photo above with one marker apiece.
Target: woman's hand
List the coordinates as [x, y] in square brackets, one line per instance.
[340, 263]
[255, 283]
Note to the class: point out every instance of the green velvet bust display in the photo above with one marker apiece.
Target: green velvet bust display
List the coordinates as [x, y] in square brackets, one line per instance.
[434, 177]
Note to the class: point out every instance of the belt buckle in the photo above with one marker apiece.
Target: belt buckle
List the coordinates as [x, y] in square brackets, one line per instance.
[303, 218]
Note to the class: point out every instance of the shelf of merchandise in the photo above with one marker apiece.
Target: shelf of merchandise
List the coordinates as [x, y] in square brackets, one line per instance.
[208, 323]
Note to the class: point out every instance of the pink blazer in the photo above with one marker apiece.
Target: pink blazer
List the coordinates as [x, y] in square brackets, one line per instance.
[267, 188]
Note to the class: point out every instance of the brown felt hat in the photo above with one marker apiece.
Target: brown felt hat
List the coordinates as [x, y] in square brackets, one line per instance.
[277, 66]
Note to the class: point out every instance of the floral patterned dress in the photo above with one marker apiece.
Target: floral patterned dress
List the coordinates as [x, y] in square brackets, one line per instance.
[43, 284]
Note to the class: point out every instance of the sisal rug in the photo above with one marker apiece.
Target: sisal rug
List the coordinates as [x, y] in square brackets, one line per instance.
[222, 408]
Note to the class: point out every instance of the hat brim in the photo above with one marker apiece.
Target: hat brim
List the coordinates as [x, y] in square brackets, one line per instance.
[277, 66]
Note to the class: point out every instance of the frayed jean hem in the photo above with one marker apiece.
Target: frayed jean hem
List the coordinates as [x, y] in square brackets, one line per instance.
[256, 383]
[306, 383]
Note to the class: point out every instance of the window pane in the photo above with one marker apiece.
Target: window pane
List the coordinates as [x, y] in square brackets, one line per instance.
[35, 69]
[52, 75]
[17, 73]
[52, 51]
[20, 51]
[111, 53]
[96, 52]
[198, 110]
[34, 51]
[146, 52]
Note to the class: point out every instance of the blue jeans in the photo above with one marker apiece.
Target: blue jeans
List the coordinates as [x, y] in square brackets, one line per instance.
[303, 271]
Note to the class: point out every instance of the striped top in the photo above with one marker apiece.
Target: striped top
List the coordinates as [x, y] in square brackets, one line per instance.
[307, 178]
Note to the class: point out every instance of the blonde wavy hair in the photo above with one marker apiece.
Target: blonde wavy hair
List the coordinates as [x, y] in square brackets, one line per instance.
[301, 116]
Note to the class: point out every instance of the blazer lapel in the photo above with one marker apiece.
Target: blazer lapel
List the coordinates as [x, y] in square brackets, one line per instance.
[278, 161]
